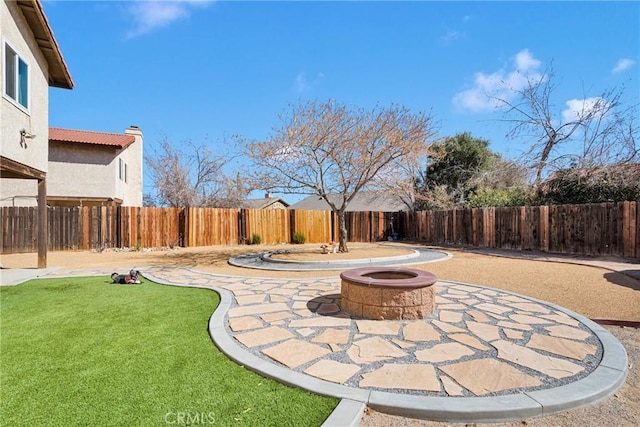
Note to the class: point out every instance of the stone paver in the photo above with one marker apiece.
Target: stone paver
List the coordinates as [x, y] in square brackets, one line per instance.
[294, 353]
[484, 376]
[405, 376]
[335, 336]
[376, 327]
[561, 346]
[564, 331]
[333, 371]
[245, 323]
[443, 352]
[374, 349]
[552, 366]
[451, 387]
[421, 331]
[263, 336]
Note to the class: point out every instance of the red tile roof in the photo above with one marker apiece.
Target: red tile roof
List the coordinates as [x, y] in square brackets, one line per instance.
[119, 140]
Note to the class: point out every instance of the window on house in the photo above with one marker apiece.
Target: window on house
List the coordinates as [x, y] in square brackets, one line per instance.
[122, 170]
[16, 79]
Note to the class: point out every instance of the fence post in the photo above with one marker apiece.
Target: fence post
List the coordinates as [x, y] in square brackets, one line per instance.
[183, 226]
[119, 226]
[292, 223]
[242, 226]
[629, 231]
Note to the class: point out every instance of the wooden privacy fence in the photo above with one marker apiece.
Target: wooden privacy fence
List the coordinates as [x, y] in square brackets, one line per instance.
[596, 229]
[84, 228]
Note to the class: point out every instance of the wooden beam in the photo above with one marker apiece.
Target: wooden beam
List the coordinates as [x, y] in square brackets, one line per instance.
[12, 169]
[43, 231]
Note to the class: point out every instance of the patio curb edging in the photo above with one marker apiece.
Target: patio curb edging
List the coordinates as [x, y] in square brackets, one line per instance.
[260, 261]
[269, 257]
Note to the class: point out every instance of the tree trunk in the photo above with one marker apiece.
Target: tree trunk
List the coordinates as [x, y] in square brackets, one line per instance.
[546, 152]
[342, 231]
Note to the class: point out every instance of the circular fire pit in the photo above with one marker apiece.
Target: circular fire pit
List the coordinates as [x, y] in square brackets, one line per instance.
[380, 293]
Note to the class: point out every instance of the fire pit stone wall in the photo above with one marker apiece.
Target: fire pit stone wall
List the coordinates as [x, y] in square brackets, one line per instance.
[390, 293]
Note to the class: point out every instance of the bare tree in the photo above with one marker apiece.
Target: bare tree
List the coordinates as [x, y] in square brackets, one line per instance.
[588, 132]
[328, 148]
[193, 176]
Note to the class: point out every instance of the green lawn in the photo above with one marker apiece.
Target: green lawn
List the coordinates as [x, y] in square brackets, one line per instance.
[81, 351]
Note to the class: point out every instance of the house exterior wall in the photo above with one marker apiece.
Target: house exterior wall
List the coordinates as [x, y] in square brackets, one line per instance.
[81, 170]
[277, 205]
[131, 192]
[15, 31]
[18, 192]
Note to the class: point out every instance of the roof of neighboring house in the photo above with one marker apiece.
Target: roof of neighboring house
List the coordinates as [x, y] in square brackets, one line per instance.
[59, 75]
[118, 140]
[362, 202]
[263, 203]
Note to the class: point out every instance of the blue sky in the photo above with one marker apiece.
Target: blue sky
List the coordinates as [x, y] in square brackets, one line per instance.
[204, 70]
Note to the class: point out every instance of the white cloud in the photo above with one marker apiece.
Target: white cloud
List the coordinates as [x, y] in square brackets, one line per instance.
[502, 84]
[623, 64]
[149, 15]
[525, 61]
[303, 84]
[451, 36]
[578, 108]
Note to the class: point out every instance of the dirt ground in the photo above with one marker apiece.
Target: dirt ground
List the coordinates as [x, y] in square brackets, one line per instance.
[594, 292]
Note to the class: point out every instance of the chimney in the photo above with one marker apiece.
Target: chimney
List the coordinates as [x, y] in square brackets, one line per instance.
[133, 130]
[267, 195]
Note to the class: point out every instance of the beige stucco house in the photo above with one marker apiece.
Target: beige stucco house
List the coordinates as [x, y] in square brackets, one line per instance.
[95, 168]
[31, 62]
[267, 202]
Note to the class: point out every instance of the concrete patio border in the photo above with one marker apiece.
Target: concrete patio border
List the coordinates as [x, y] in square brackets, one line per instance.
[264, 261]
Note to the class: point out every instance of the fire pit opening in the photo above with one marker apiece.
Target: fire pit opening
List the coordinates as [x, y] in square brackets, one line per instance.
[389, 275]
[388, 293]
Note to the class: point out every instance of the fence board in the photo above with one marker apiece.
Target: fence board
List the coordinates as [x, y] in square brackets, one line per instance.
[272, 225]
[315, 226]
[211, 227]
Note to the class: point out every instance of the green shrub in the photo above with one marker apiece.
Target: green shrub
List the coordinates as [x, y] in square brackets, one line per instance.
[497, 198]
[255, 239]
[592, 185]
[298, 238]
